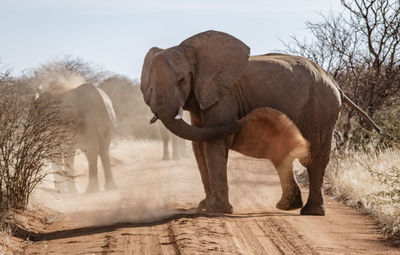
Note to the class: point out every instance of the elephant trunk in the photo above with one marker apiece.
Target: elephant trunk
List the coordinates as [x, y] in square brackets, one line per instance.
[188, 132]
[170, 115]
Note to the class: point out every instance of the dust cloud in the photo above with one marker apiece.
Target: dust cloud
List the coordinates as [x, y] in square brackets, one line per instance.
[149, 189]
[56, 79]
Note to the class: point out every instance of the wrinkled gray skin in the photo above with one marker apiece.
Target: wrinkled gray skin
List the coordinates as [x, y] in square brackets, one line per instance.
[95, 125]
[212, 76]
[178, 144]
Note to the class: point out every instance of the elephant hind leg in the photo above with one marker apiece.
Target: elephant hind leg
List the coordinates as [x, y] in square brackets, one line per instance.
[320, 154]
[105, 160]
[291, 194]
[175, 148]
[165, 149]
[178, 148]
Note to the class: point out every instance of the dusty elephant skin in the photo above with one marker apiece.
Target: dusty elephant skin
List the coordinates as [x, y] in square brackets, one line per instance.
[95, 128]
[212, 76]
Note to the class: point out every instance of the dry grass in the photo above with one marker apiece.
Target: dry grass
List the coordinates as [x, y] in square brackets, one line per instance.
[371, 183]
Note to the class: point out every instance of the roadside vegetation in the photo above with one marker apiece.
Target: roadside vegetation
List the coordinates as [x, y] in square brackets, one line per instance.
[34, 133]
[369, 182]
[360, 48]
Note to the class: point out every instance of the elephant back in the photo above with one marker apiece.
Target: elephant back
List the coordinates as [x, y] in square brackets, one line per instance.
[91, 106]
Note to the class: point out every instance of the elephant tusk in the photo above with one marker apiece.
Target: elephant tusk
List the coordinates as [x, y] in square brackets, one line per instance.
[154, 119]
[180, 114]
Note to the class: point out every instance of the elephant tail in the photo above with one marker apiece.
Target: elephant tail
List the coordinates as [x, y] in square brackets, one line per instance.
[350, 103]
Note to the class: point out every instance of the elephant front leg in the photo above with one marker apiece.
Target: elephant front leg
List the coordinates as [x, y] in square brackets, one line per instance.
[198, 151]
[69, 166]
[216, 154]
[291, 194]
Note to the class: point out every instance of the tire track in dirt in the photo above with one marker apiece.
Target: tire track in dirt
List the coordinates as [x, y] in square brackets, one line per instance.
[286, 239]
[203, 235]
[172, 239]
[248, 239]
[110, 243]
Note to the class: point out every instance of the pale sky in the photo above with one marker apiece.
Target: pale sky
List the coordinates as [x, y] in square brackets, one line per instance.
[116, 34]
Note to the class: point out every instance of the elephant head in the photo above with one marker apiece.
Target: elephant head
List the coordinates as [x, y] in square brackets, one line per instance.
[201, 67]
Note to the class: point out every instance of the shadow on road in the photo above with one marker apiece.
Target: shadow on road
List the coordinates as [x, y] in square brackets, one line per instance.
[180, 214]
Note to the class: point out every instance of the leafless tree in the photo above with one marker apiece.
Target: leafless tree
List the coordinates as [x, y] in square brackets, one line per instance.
[90, 72]
[65, 73]
[360, 48]
[32, 133]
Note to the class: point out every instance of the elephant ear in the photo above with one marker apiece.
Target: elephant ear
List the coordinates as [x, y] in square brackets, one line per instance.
[221, 60]
[145, 78]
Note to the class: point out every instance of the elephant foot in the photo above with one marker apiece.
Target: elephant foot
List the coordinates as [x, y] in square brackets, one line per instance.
[92, 188]
[110, 185]
[318, 210]
[202, 204]
[290, 202]
[219, 207]
[176, 157]
[72, 189]
[165, 158]
[61, 189]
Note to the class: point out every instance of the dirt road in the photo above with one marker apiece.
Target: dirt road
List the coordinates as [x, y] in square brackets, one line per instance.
[156, 198]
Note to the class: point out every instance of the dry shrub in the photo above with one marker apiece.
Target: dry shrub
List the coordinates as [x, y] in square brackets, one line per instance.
[32, 133]
[360, 48]
[369, 182]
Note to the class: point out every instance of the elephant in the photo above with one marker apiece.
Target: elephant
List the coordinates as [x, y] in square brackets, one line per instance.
[178, 144]
[213, 76]
[94, 122]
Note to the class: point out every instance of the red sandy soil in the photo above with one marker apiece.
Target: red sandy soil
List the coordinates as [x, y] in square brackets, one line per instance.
[154, 215]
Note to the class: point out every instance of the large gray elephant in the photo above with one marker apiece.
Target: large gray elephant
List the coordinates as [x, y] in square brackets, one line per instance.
[212, 76]
[94, 119]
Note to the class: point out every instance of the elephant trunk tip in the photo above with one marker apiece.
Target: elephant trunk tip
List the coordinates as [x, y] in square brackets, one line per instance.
[154, 119]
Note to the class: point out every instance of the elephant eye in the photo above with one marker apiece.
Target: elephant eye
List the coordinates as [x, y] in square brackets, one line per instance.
[181, 80]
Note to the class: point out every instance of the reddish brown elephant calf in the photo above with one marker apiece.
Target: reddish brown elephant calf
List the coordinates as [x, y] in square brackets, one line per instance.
[270, 134]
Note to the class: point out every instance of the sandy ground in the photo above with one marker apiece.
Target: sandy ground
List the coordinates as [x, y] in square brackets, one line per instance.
[152, 213]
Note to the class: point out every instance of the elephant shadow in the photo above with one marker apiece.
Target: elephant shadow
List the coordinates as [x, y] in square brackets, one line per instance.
[20, 232]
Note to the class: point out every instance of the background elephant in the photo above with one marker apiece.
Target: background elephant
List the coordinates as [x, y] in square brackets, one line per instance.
[94, 115]
[178, 145]
[212, 76]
